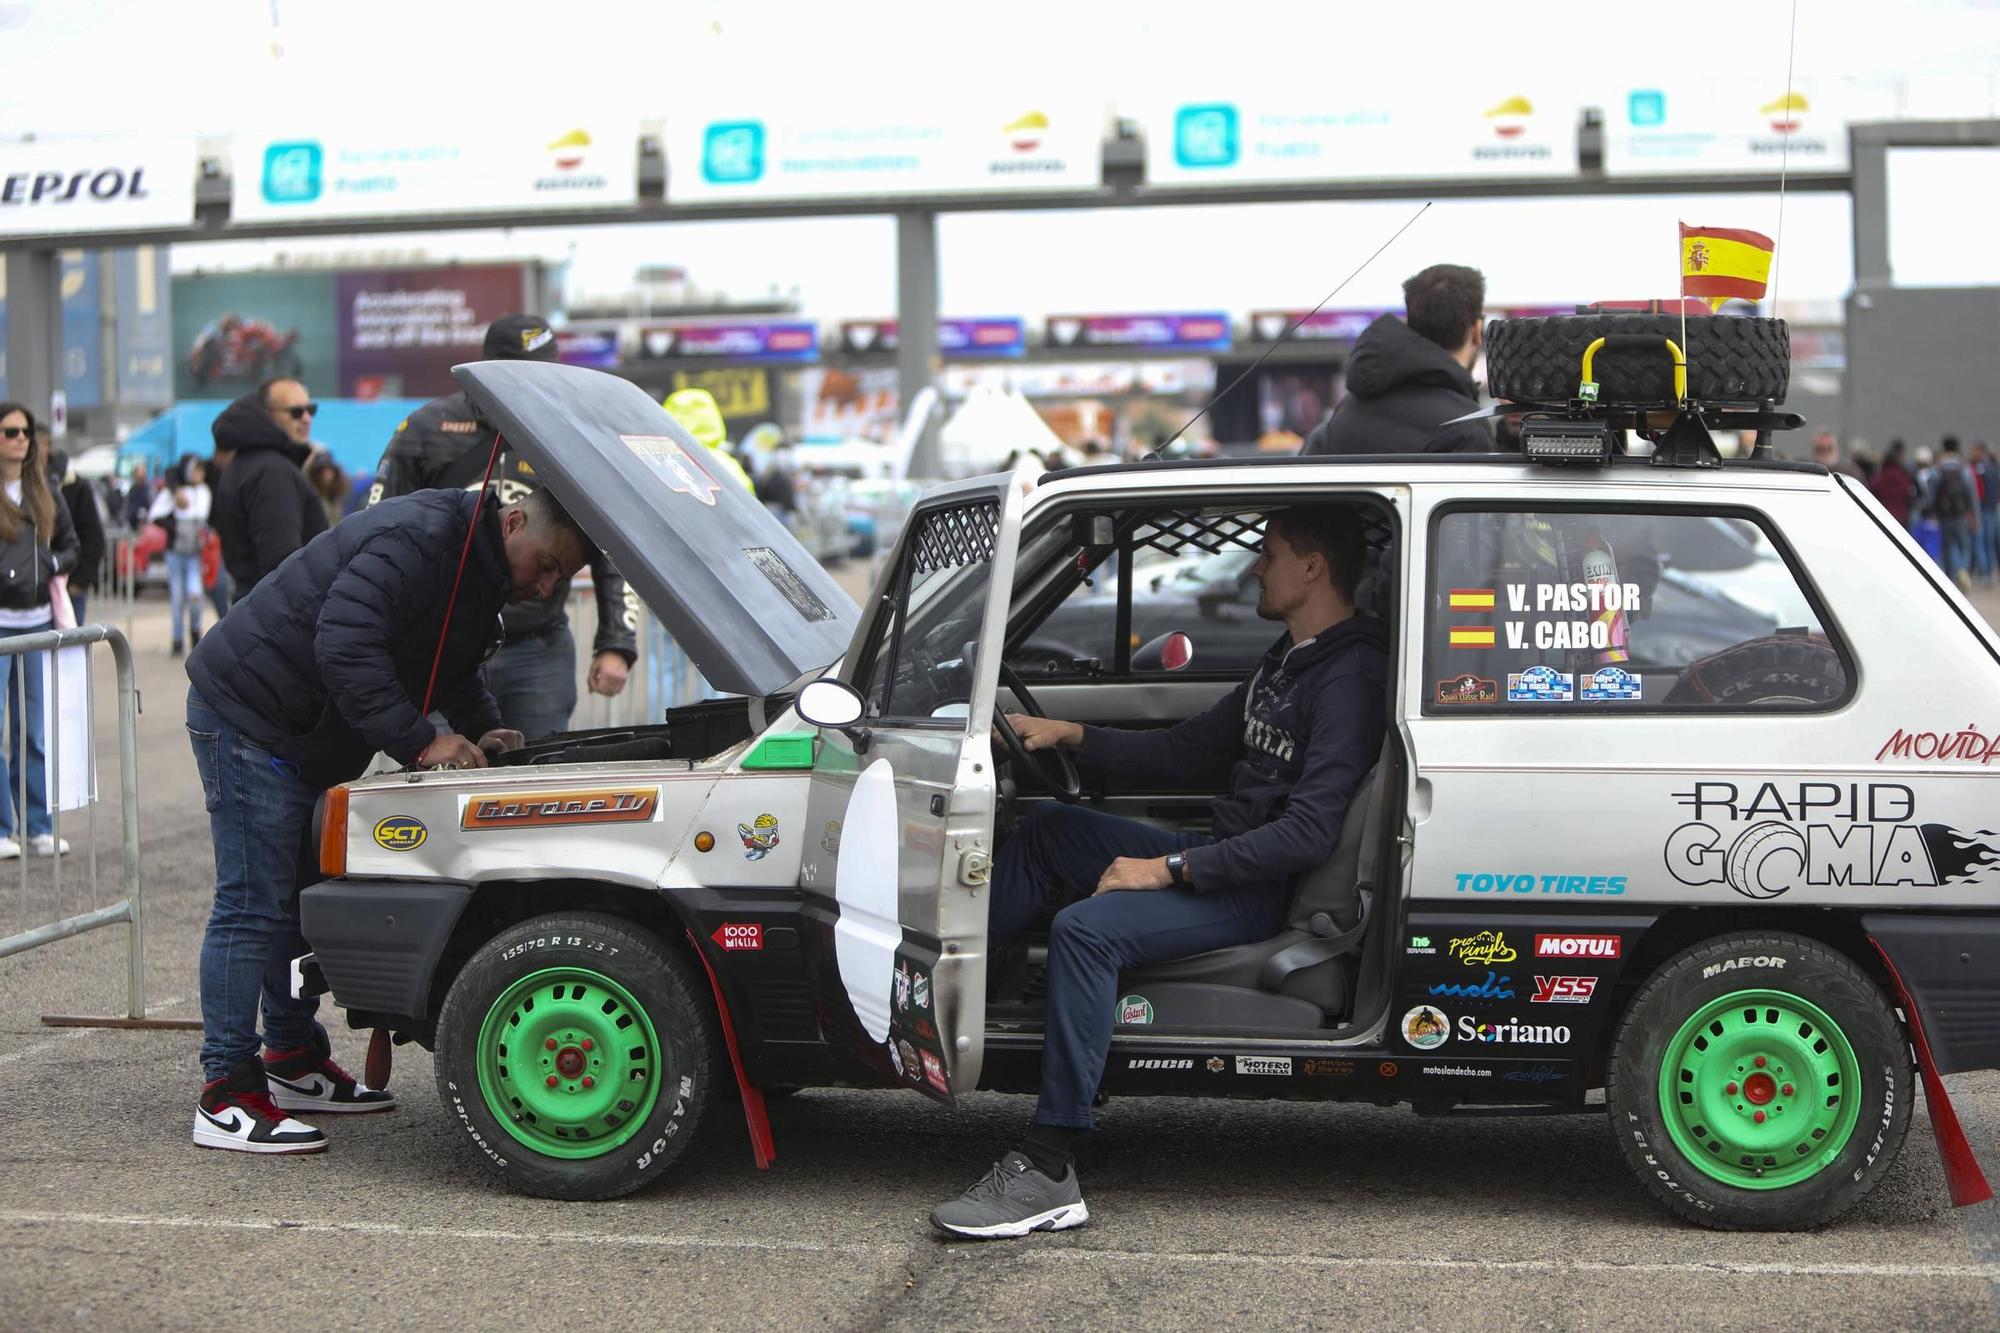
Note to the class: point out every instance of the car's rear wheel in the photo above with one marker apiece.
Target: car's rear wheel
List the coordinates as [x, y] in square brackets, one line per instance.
[1760, 1082]
[574, 1051]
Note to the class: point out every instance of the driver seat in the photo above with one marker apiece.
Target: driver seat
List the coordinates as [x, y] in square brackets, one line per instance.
[1301, 978]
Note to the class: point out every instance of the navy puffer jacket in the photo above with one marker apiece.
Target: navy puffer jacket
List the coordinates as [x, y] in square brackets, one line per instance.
[326, 660]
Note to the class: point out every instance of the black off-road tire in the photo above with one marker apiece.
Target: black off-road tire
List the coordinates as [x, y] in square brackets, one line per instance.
[1763, 962]
[1730, 360]
[683, 1062]
[1781, 669]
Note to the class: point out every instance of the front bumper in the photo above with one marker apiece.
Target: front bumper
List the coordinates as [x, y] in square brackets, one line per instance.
[377, 942]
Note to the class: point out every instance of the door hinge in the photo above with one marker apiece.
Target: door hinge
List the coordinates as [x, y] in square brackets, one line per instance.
[974, 867]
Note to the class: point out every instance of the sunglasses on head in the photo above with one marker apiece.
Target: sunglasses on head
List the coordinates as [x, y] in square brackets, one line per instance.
[301, 412]
[12, 432]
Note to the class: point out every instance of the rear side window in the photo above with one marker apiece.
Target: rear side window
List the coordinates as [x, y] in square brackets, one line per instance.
[1590, 611]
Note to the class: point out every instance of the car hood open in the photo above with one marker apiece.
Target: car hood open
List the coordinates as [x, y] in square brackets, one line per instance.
[731, 585]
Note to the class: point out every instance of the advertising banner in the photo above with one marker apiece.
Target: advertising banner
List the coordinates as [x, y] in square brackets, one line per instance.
[82, 329]
[54, 187]
[956, 337]
[1691, 126]
[738, 340]
[144, 342]
[742, 395]
[837, 150]
[1206, 331]
[1351, 134]
[595, 348]
[402, 330]
[1323, 326]
[381, 333]
[553, 165]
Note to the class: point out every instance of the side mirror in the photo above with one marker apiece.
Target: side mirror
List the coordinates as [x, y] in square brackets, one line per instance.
[827, 702]
[1170, 652]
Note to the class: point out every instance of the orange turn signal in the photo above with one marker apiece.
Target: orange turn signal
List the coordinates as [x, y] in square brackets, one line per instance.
[333, 834]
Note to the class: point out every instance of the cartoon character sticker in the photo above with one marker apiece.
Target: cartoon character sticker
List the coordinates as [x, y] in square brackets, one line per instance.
[759, 837]
[1426, 1028]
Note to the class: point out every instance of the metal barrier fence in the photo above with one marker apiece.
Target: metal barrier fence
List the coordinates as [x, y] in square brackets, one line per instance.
[67, 683]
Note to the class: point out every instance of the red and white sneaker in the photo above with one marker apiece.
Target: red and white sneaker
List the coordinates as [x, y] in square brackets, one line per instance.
[308, 1079]
[236, 1113]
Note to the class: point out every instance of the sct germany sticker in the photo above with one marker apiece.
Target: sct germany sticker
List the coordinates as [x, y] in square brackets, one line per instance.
[546, 809]
[400, 833]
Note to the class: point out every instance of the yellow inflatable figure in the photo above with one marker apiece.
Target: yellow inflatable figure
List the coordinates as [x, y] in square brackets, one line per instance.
[696, 410]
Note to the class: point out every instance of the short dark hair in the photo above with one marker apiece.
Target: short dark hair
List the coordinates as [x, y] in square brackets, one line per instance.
[1334, 532]
[1444, 302]
[1951, 444]
[264, 389]
[546, 513]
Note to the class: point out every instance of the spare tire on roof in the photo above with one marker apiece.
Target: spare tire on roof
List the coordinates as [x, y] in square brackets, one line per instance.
[1731, 359]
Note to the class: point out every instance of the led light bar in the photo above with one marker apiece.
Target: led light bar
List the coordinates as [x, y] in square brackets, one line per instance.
[1588, 443]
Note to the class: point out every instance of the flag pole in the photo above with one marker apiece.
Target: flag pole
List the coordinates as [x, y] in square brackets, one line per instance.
[1784, 155]
[1680, 231]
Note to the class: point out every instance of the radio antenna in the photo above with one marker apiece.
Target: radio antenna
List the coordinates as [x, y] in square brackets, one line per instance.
[1284, 337]
[1784, 158]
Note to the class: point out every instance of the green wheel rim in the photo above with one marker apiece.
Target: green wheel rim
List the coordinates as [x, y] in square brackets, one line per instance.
[1760, 1090]
[569, 1063]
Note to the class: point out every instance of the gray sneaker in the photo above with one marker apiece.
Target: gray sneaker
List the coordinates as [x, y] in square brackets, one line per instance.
[1012, 1200]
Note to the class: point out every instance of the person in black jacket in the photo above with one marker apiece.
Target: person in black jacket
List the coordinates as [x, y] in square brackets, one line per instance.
[265, 509]
[447, 443]
[322, 664]
[37, 542]
[1408, 377]
[86, 518]
[1292, 744]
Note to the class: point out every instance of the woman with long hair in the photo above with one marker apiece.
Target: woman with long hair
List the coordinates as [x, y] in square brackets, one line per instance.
[37, 542]
[181, 508]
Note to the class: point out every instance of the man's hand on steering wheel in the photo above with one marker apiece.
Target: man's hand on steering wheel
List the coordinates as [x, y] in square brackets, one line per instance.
[1044, 733]
[1039, 741]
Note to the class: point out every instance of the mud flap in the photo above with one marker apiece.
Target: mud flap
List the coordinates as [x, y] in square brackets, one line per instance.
[762, 1147]
[1967, 1183]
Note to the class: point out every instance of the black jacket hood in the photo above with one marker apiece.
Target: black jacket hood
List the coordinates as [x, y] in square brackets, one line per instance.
[245, 425]
[1390, 355]
[1357, 633]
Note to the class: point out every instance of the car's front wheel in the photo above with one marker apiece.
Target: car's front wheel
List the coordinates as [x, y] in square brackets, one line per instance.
[1760, 1082]
[574, 1051]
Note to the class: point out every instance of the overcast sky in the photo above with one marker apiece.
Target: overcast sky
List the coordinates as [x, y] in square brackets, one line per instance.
[220, 66]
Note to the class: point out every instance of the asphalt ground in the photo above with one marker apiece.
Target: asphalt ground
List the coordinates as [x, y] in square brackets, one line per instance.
[1260, 1215]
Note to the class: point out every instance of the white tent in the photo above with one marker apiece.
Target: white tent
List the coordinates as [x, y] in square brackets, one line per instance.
[988, 426]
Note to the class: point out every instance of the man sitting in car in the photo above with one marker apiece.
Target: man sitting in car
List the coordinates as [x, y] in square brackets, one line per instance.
[1292, 744]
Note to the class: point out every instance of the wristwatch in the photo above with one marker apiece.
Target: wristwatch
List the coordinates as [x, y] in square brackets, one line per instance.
[1177, 866]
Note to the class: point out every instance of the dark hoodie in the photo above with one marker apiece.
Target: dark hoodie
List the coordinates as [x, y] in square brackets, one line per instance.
[1293, 742]
[1401, 389]
[265, 509]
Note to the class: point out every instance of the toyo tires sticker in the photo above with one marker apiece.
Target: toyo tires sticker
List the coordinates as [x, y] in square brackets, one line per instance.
[865, 878]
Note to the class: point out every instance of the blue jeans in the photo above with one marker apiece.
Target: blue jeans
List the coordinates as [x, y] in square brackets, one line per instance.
[1054, 860]
[534, 682]
[24, 714]
[184, 592]
[1986, 544]
[260, 820]
[220, 596]
[1957, 547]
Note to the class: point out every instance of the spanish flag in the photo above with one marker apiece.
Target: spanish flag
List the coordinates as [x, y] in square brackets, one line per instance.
[1472, 636]
[1472, 599]
[1724, 263]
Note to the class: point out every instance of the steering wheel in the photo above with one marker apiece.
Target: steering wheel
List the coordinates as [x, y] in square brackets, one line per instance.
[1052, 767]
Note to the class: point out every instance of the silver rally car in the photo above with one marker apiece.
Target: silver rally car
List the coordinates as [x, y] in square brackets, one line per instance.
[1743, 875]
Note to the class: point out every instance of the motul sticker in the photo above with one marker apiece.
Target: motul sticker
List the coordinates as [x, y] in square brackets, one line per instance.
[1577, 946]
[739, 935]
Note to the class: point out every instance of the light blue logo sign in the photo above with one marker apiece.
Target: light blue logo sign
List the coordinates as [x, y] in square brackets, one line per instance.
[1646, 107]
[732, 152]
[1493, 988]
[292, 172]
[1540, 684]
[1206, 136]
[1612, 683]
